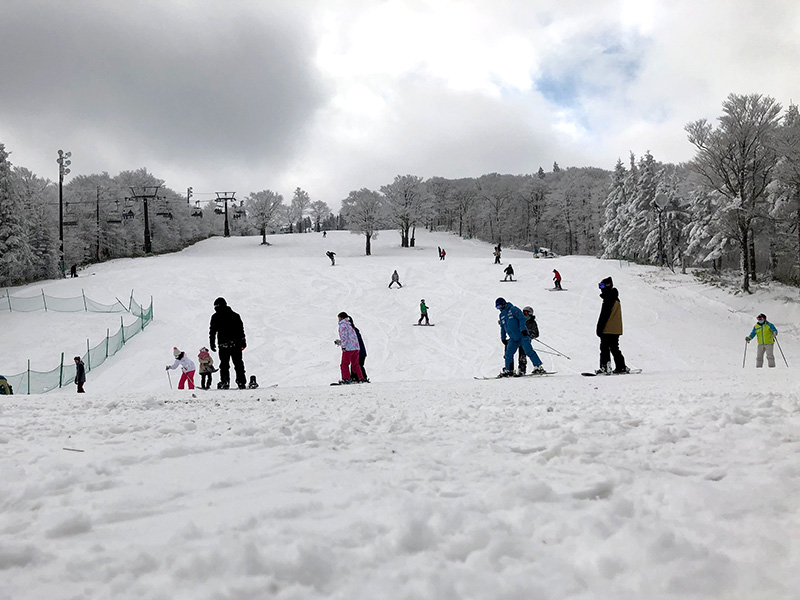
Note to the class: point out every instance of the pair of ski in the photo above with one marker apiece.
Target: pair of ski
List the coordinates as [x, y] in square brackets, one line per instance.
[517, 376]
[595, 374]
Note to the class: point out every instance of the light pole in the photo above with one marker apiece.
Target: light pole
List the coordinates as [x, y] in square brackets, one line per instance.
[660, 202]
[63, 164]
[224, 197]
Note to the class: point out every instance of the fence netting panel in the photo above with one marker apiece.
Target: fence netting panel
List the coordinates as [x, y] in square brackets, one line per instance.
[39, 382]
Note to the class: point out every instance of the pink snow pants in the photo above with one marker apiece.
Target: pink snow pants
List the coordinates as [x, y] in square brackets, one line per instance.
[186, 377]
[350, 364]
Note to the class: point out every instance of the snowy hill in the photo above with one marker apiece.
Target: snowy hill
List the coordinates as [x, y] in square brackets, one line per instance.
[681, 482]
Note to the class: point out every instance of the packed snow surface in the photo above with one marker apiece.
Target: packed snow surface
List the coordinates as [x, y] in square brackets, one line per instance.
[681, 482]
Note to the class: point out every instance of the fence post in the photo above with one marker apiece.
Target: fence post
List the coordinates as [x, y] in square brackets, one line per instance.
[29, 376]
[85, 308]
[8, 297]
[122, 330]
[61, 372]
[107, 336]
[130, 303]
[44, 300]
[88, 356]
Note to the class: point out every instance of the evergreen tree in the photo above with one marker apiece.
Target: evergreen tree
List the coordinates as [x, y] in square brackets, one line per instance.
[16, 256]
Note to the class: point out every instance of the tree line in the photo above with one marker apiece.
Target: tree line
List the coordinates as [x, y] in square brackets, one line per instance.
[736, 204]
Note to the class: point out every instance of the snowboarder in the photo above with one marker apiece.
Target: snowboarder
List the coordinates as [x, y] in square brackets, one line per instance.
[5, 387]
[80, 374]
[227, 327]
[348, 341]
[557, 279]
[362, 351]
[497, 255]
[331, 255]
[609, 328]
[423, 313]
[206, 368]
[533, 331]
[513, 334]
[73, 271]
[395, 279]
[187, 368]
[324, 234]
[509, 271]
[766, 334]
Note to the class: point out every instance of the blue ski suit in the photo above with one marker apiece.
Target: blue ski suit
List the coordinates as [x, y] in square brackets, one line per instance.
[514, 325]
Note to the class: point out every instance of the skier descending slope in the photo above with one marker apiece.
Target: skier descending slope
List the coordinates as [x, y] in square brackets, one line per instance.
[513, 325]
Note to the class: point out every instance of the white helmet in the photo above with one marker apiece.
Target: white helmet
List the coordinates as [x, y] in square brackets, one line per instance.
[527, 309]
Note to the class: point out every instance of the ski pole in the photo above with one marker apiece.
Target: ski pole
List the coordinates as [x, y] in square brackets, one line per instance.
[781, 349]
[170, 379]
[745, 353]
[553, 349]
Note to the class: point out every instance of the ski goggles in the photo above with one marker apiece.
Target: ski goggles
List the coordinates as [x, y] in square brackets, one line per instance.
[602, 285]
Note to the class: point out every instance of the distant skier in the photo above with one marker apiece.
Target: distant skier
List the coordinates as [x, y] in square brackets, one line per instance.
[206, 368]
[348, 341]
[513, 334]
[423, 313]
[227, 327]
[766, 333]
[331, 255]
[362, 351]
[609, 328]
[73, 271]
[557, 279]
[533, 331]
[497, 255]
[324, 234]
[395, 279]
[442, 254]
[80, 374]
[509, 271]
[187, 368]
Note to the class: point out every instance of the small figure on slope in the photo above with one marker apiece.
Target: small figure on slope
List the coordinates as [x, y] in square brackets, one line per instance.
[557, 279]
[206, 368]
[513, 334]
[442, 254]
[766, 333]
[332, 256]
[423, 313]
[497, 255]
[395, 279]
[609, 328]
[348, 341]
[80, 374]
[509, 271]
[187, 368]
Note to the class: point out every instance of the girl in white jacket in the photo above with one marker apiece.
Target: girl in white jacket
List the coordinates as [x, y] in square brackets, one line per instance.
[187, 368]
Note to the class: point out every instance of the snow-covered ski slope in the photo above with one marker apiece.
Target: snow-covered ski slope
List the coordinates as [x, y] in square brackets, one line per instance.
[682, 482]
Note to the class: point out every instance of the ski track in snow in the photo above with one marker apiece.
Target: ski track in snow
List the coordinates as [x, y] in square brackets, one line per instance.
[681, 482]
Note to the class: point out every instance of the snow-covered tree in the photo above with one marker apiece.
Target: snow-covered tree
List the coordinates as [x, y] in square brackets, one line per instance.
[16, 255]
[363, 210]
[263, 209]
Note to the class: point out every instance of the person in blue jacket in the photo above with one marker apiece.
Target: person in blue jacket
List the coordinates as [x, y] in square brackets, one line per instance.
[766, 333]
[513, 334]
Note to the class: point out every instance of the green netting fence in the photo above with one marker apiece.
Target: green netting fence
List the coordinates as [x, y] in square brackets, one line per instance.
[39, 382]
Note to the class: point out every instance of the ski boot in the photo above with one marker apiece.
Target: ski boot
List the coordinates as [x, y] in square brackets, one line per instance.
[505, 373]
[223, 385]
[253, 383]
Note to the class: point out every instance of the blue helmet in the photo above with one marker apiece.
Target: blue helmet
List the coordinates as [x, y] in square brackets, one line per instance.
[500, 303]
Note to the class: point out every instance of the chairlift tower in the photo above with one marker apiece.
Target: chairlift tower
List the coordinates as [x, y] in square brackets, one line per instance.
[224, 197]
[145, 193]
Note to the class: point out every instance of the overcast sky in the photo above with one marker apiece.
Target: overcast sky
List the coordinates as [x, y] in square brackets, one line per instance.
[336, 95]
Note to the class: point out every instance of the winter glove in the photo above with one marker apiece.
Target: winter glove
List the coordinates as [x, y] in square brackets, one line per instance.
[167, 368]
[213, 348]
[747, 339]
[524, 333]
[505, 342]
[243, 347]
[337, 342]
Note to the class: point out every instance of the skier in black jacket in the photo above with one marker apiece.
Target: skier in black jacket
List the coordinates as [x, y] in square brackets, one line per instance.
[227, 327]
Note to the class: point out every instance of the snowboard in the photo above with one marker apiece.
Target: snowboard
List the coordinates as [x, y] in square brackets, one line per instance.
[556, 289]
[424, 325]
[508, 280]
[518, 376]
[592, 374]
